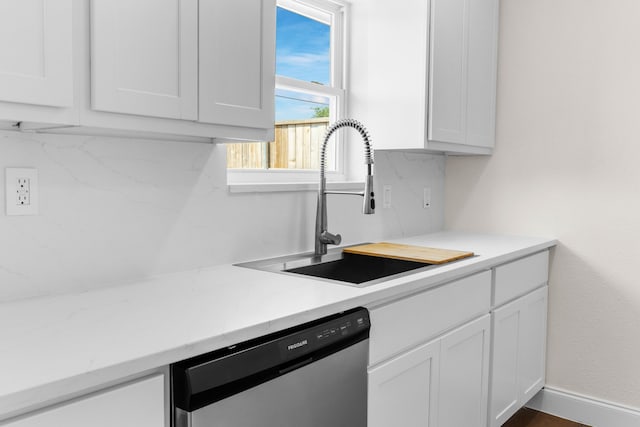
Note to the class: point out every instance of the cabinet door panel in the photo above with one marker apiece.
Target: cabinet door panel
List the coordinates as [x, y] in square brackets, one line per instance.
[462, 80]
[504, 381]
[532, 354]
[36, 65]
[464, 375]
[427, 315]
[144, 57]
[390, 73]
[139, 404]
[237, 62]
[403, 391]
[519, 354]
[448, 70]
[520, 277]
[481, 78]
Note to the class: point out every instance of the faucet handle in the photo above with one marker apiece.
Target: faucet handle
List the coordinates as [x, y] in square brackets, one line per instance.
[330, 239]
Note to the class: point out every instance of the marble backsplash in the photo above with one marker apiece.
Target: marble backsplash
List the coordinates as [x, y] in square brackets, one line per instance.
[117, 210]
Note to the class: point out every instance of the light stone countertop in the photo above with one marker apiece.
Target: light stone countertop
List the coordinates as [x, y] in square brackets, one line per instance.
[54, 347]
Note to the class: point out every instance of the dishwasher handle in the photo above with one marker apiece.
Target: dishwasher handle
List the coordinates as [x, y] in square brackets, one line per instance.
[288, 369]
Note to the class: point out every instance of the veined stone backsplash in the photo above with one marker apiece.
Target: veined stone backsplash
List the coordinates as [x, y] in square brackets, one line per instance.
[117, 210]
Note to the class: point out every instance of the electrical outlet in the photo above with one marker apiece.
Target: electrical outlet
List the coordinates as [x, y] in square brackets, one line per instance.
[426, 201]
[386, 196]
[21, 186]
[23, 195]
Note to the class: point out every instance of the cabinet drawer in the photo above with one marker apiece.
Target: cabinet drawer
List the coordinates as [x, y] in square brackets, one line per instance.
[519, 277]
[140, 404]
[408, 322]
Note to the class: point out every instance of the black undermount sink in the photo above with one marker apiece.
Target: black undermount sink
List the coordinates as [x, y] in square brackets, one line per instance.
[358, 268]
[338, 267]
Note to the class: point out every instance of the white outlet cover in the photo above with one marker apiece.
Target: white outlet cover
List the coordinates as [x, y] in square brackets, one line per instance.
[386, 196]
[426, 201]
[11, 191]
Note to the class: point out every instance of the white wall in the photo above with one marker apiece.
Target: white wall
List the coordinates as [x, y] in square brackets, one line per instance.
[117, 210]
[566, 164]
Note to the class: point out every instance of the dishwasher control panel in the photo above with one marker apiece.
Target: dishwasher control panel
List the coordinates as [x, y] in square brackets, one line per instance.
[324, 335]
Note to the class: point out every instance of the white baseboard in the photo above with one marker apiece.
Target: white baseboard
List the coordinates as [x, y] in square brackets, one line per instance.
[584, 409]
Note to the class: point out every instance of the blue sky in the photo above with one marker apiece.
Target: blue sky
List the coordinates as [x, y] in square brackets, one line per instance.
[302, 52]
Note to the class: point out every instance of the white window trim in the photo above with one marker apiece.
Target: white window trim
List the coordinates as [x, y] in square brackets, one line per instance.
[277, 187]
[335, 14]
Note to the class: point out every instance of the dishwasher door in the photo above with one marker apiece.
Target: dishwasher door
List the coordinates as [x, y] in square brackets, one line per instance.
[312, 376]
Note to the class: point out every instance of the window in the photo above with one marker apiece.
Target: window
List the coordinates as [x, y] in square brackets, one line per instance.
[309, 95]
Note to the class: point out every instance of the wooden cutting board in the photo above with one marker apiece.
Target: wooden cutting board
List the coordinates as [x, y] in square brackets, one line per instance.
[408, 252]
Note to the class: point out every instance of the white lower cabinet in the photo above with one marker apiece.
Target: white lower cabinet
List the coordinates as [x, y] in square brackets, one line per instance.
[464, 375]
[403, 391]
[478, 374]
[419, 318]
[519, 348]
[441, 383]
[138, 404]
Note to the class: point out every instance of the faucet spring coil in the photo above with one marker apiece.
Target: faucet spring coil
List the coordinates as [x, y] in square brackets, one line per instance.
[368, 154]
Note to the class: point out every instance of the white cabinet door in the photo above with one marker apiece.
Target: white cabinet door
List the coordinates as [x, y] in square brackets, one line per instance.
[388, 69]
[464, 375]
[144, 57]
[403, 391]
[462, 71]
[36, 64]
[140, 404]
[448, 70]
[519, 350]
[482, 69]
[237, 62]
[504, 374]
[533, 346]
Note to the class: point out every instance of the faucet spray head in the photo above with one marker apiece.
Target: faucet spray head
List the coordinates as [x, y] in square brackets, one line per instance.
[369, 203]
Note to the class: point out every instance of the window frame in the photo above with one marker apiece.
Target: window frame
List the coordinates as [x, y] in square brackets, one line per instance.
[335, 14]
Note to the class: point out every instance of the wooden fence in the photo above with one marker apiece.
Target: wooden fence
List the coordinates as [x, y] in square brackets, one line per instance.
[297, 146]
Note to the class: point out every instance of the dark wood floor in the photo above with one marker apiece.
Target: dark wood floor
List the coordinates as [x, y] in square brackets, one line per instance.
[529, 418]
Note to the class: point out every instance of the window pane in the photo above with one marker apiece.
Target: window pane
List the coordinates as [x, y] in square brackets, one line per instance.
[291, 105]
[303, 48]
[247, 155]
[301, 122]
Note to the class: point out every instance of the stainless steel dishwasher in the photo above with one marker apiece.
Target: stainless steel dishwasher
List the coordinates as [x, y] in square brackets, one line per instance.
[312, 375]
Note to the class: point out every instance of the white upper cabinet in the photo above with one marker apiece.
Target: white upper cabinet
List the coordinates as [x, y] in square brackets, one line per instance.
[144, 56]
[423, 76]
[36, 64]
[462, 67]
[208, 64]
[237, 62]
[176, 69]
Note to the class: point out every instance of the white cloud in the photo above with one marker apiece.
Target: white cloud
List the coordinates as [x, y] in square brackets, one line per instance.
[304, 59]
